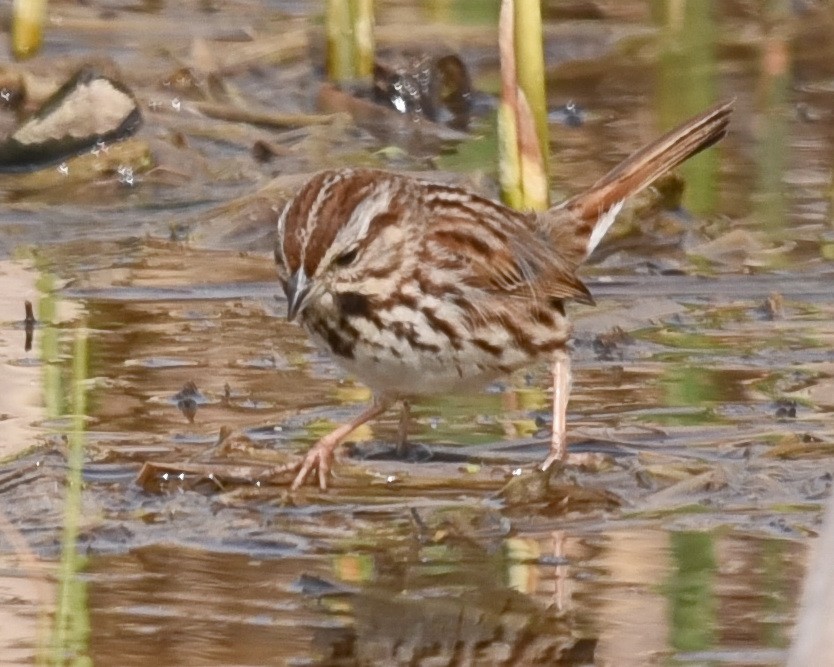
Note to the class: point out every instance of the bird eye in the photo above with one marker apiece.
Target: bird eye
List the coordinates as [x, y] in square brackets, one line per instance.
[347, 257]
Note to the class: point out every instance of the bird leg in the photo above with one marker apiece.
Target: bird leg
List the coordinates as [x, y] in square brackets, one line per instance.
[320, 456]
[402, 431]
[561, 393]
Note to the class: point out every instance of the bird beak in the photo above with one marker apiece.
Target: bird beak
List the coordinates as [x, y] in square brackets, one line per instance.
[297, 289]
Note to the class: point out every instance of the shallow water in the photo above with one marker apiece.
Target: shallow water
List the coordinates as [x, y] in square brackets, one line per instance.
[703, 390]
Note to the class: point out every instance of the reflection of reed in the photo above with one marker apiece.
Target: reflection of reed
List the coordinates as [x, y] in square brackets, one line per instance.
[72, 624]
[690, 590]
[772, 131]
[632, 613]
[620, 603]
[552, 583]
[686, 72]
[643, 593]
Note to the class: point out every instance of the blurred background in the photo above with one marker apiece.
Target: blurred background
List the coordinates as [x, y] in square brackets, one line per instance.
[160, 378]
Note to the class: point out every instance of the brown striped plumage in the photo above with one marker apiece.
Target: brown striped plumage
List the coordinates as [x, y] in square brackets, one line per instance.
[420, 288]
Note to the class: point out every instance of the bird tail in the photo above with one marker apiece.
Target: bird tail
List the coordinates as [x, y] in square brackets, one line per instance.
[580, 223]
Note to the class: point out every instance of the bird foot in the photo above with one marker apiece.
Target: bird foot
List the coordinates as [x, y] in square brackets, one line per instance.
[319, 458]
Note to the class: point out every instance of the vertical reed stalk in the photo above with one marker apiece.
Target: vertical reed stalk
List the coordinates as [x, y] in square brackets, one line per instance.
[363, 37]
[522, 114]
[350, 40]
[28, 17]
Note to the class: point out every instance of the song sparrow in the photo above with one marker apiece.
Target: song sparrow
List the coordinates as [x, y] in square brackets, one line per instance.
[420, 288]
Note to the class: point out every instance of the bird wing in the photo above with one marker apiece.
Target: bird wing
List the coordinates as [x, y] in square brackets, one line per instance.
[498, 250]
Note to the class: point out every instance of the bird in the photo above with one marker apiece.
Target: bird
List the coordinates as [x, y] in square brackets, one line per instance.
[420, 288]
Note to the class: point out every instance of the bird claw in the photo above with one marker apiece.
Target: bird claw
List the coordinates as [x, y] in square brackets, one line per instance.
[319, 458]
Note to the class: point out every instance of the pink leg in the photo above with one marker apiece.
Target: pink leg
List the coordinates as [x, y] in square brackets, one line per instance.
[320, 455]
[561, 392]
